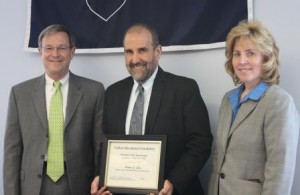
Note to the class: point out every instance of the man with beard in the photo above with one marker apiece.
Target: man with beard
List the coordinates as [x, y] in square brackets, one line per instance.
[172, 106]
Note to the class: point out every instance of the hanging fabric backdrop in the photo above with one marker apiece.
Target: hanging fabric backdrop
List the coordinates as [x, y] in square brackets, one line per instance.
[99, 25]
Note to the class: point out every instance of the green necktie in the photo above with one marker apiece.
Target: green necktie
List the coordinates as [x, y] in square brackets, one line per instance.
[55, 160]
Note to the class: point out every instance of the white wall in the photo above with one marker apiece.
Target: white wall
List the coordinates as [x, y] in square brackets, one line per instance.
[207, 67]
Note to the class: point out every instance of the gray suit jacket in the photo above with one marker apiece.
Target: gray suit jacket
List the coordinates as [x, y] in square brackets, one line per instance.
[26, 136]
[257, 154]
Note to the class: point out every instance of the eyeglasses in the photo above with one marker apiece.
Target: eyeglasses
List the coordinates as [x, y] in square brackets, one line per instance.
[62, 49]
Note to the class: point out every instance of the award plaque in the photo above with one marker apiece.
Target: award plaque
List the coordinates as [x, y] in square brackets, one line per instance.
[133, 163]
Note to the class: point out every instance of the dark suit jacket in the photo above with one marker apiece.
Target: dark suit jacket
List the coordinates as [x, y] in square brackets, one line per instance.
[26, 136]
[177, 110]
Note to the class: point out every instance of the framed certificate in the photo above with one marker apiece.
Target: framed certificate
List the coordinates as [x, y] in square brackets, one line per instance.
[133, 163]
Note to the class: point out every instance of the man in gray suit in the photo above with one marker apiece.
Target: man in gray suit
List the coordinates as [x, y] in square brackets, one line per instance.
[27, 137]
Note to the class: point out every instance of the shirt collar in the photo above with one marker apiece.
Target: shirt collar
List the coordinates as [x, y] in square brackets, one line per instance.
[255, 94]
[50, 81]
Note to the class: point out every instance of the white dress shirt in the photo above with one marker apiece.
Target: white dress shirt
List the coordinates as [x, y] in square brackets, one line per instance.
[50, 89]
[134, 93]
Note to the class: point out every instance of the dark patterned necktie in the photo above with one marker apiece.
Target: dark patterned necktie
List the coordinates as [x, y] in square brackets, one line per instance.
[136, 122]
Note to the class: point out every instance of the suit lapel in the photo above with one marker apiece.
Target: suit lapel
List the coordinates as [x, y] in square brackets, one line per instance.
[39, 100]
[123, 106]
[74, 97]
[155, 100]
[225, 124]
[243, 113]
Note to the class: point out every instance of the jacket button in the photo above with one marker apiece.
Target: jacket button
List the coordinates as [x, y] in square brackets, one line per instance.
[42, 157]
[222, 175]
[40, 176]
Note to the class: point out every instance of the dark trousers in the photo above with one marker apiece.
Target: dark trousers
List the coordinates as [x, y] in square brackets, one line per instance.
[49, 187]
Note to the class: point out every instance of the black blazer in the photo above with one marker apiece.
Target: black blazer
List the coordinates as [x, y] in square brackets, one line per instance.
[176, 109]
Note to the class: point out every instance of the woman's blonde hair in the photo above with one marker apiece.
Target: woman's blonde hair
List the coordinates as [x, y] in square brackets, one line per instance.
[265, 44]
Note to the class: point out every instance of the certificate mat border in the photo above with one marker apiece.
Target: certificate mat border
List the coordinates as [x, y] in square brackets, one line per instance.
[103, 168]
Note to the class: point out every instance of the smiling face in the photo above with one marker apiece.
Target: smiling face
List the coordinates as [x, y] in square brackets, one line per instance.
[247, 62]
[140, 56]
[56, 60]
